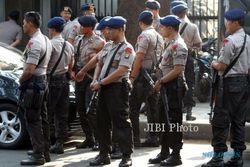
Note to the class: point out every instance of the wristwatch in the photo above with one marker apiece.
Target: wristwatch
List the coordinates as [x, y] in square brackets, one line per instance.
[99, 82]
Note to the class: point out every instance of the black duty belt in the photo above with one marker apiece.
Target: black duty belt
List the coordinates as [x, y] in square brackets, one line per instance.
[59, 77]
[236, 78]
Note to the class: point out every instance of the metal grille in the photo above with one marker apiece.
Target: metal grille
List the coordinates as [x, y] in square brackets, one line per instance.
[205, 15]
[103, 7]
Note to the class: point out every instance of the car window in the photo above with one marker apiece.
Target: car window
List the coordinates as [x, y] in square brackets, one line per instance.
[10, 58]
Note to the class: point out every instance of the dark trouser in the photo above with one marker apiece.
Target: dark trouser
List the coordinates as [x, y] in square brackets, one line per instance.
[113, 109]
[58, 105]
[83, 96]
[190, 80]
[34, 103]
[231, 116]
[172, 137]
[142, 92]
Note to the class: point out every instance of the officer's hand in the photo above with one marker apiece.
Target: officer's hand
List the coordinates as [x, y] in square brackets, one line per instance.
[80, 75]
[157, 86]
[72, 75]
[92, 84]
[96, 86]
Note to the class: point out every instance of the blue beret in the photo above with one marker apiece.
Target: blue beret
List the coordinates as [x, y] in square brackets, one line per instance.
[145, 14]
[235, 14]
[56, 22]
[87, 6]
[170, 20]
[152, 4]
[179, 8]
[103, 23]
[116, 22]
[177, 2]
[87, 21]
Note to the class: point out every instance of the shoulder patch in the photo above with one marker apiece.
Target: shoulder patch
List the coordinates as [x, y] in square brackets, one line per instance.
[225, 41]
[29, 45]
[128, 52]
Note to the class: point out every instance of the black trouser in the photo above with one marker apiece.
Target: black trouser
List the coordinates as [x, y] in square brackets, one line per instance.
[231, 116]
[113, 109]
[83, 96]
[142, 92]
[58, 105]
[172, 137]
[34, 103]
[190, 80]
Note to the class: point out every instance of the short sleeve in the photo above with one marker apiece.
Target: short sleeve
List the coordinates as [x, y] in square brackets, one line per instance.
[34, 51]
[142, 44]
[180, 57]
[74, 31]
[227, 52]
[127, 57]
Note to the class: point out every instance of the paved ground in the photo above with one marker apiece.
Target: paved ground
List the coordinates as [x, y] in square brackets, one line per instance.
[192, 155]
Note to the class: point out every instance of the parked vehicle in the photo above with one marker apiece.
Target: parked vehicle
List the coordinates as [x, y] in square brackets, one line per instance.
[203, 74]
[13, 132]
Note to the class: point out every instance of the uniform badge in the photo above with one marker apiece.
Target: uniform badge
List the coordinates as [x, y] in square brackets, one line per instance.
[115, 63]
[174, 49]
[128, 52]
[225, 41]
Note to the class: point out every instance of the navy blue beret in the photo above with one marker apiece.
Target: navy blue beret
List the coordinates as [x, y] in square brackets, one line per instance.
[235, 14]
[179, 8]
[87, 6]
[103, 23]
[116, 22]
[87, 21]
[152, 4]
[145, 14]
[56, 22]
[177, 2]
[170, 20]
[67, 9]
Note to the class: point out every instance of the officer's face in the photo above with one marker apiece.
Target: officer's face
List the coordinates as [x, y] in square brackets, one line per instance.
[66, 15]
[231, 26]
[51, 32]
[85, 30]
[26, 26]
[114, 34]
[165, 31]
[105, 33]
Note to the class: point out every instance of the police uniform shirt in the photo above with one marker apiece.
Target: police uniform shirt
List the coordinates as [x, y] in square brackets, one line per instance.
[66, 30]
[175, 54]
[88, 46]
[10, 31]
[36, 48]
[124, 57]
[231, 49]
[74, 29]
[57, 44]
[191, 33]
[156, 23]
[148, 44]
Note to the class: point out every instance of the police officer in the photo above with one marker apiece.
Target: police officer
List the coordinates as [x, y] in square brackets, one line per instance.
[172, 66]
[148, 50]
[190, 33]
[230, 108]
[110, 80]
[33, 84]
[59, 67]
[86, 10]
[154, 6]
[86, 46]
[10, 32]
[66, 14]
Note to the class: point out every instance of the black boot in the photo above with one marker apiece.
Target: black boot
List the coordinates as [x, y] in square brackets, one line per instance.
[57, 148]
[46, 155]
[189, 116]
[101, 159]
[235, 161]
[216, 161]
[95, 146]
[126, 161]
[34, 159]
[116, 152]
[174, 159]
[160, 157]
[89, 142]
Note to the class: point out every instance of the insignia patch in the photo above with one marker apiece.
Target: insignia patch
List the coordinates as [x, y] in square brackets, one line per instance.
[128, 52]
[115, 63]
[140, 37]
[174, 48]
[225, 41]
[29, 45]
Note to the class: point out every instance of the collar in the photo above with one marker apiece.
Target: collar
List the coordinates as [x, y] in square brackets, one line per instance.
[148, 28]
[38, 32]
[240, 31]
[57, 36]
